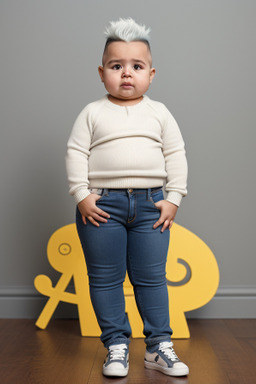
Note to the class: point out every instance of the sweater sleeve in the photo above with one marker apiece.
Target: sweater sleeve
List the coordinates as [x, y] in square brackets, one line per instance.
[175, 160]
[77, 156]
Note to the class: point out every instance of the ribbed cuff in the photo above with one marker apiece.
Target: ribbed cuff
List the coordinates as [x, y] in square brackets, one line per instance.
[81, 194]
[174, 198]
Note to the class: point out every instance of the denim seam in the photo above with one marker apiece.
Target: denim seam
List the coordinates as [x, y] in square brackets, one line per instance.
[133, 284]
[117, 341]
[156, 340]
[152, 201]
[134, 217]
[101, 197]
[151, 198]
[103, 193]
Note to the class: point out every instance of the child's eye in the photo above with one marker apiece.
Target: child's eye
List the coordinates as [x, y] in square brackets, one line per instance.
[137, 66]
[117, 66]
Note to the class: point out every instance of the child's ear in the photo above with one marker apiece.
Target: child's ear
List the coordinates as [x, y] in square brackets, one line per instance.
[100, 70]
[152, 74]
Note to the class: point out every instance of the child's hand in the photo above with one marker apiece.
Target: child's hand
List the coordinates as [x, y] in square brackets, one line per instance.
[89, 210]
[168, 213]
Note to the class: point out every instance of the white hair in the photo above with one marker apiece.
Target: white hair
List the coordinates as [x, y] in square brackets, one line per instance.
[127, 30]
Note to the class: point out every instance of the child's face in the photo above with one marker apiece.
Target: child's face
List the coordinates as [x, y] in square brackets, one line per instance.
[126, 71]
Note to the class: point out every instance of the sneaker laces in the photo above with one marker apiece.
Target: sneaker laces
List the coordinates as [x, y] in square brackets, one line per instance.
[167, 348]
[117, 352]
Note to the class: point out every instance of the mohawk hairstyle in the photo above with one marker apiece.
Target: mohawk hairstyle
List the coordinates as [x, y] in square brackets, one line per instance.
[126, 30]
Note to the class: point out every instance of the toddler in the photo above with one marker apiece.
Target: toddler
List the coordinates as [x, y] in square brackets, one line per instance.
[122, 150]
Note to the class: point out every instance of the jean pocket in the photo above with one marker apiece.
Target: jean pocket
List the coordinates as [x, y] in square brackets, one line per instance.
[156, 196]
[99, 192]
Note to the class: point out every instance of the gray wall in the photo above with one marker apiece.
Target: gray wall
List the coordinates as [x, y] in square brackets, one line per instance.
[204, 54]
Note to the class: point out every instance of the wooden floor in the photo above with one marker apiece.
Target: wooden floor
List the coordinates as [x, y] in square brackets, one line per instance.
[219, 352]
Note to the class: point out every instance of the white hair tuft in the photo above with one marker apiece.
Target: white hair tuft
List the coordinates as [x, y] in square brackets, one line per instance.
[127, 30]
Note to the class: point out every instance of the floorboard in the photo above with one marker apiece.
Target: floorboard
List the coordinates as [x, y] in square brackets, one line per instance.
[218, 352]
[229, 340]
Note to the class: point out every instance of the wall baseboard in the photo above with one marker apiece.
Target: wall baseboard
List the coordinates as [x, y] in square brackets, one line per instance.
[229, 302]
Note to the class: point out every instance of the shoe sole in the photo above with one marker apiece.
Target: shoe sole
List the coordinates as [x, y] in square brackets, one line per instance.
[167, 371]
[116, 372]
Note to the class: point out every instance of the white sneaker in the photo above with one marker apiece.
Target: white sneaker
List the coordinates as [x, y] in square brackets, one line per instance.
[164, 359]
[117, 361]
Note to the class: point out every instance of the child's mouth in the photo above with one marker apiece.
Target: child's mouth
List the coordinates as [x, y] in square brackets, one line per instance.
[126, 85]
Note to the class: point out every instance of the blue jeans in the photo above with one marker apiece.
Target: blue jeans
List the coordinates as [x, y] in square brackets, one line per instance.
[128, 242]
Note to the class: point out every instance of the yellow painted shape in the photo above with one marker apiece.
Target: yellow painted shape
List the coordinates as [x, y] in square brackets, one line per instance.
[204, 281]
[65, 254]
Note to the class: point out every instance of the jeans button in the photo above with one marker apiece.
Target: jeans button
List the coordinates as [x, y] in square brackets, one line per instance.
[130, 190]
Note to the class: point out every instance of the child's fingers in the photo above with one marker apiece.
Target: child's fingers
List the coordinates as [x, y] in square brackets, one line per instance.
[94, 222]
[171, 223]
[160, 221]
[165, 225]
[100, 212]
[99, 218]
[94, 218]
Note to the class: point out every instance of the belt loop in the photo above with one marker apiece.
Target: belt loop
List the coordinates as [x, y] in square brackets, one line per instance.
[148, 193]
[105, 191]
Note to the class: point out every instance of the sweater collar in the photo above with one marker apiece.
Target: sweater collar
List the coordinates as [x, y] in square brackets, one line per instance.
[120, 107]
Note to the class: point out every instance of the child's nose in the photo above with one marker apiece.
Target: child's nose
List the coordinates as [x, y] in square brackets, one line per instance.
[126, 72]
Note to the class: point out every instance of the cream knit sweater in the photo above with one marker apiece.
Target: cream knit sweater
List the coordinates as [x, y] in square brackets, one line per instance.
[138, 146]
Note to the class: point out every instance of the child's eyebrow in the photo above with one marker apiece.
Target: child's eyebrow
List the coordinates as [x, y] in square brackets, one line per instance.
[139, 61]
[121, 60]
